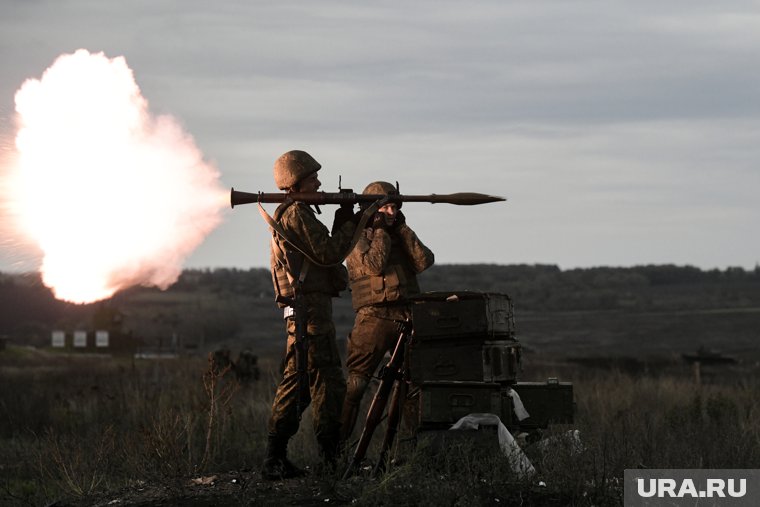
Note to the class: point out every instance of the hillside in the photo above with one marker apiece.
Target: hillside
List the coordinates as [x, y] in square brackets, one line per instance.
[643, 311]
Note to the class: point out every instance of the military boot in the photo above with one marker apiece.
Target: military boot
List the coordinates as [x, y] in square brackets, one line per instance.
[276, 465]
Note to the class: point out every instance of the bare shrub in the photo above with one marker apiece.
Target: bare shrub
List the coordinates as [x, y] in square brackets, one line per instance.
[77, 466]
[219, 392]
[168, 444]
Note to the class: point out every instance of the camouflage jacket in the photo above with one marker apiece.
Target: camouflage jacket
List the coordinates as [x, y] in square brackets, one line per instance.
[383, 267]
[302, 227]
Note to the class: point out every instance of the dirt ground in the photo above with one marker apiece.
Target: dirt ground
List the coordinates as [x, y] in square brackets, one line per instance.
[232, 488]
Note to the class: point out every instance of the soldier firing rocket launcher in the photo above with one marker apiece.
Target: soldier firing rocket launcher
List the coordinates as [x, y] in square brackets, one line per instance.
[344, 198]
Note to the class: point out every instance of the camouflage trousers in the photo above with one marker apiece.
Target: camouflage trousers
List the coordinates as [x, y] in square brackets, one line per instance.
[374, 334]
[327, 386]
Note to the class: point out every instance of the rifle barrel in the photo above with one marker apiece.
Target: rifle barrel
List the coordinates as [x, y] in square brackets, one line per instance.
[460, 198]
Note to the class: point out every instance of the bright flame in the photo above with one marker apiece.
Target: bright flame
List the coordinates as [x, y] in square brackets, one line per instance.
[113, 196]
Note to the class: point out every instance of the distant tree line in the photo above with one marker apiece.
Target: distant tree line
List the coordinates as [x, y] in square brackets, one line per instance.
[540, 287]
[28, 308]
[210, 305]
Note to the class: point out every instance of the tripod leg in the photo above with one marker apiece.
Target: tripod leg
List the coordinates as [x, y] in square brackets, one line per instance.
[374, 416]
[394, 418]
[391, 374]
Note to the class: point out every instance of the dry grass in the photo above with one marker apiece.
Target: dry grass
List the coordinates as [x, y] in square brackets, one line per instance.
[74, 426]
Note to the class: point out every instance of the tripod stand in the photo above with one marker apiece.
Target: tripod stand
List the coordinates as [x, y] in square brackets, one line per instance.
[393, 386]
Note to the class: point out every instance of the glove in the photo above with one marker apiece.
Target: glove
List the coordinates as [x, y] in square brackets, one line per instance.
[400, 220]
[342, 215]
[377, 221]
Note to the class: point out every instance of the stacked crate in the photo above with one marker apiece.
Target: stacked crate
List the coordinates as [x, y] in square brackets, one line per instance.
[465, 358]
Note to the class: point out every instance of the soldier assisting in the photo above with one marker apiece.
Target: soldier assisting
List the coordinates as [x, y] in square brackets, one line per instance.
[383, 270]
[306, 263]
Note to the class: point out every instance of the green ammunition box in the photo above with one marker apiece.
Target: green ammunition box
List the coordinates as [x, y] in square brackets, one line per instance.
[467, 359]
[501, 361]
[549, 402]
[444, 403]
[446, 315]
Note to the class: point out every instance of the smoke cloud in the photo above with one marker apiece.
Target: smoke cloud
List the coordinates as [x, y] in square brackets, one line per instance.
[112, 195]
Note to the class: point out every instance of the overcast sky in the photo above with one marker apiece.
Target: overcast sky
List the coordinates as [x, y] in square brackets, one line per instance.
[622, 133]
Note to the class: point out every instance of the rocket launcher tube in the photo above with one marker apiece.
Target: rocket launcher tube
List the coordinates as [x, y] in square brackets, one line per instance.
[346, 198]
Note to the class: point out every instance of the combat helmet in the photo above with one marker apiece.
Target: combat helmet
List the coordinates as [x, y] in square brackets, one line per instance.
[381, 188]
[292, 167]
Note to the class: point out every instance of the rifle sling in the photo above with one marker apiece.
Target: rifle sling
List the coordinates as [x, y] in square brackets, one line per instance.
[357, 234]
[282, 260]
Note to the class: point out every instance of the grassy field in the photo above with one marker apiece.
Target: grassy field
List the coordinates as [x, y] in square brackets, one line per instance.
[81, 430]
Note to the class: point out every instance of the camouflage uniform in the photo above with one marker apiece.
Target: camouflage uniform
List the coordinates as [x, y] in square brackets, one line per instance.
[382, 270]
[327, 385]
